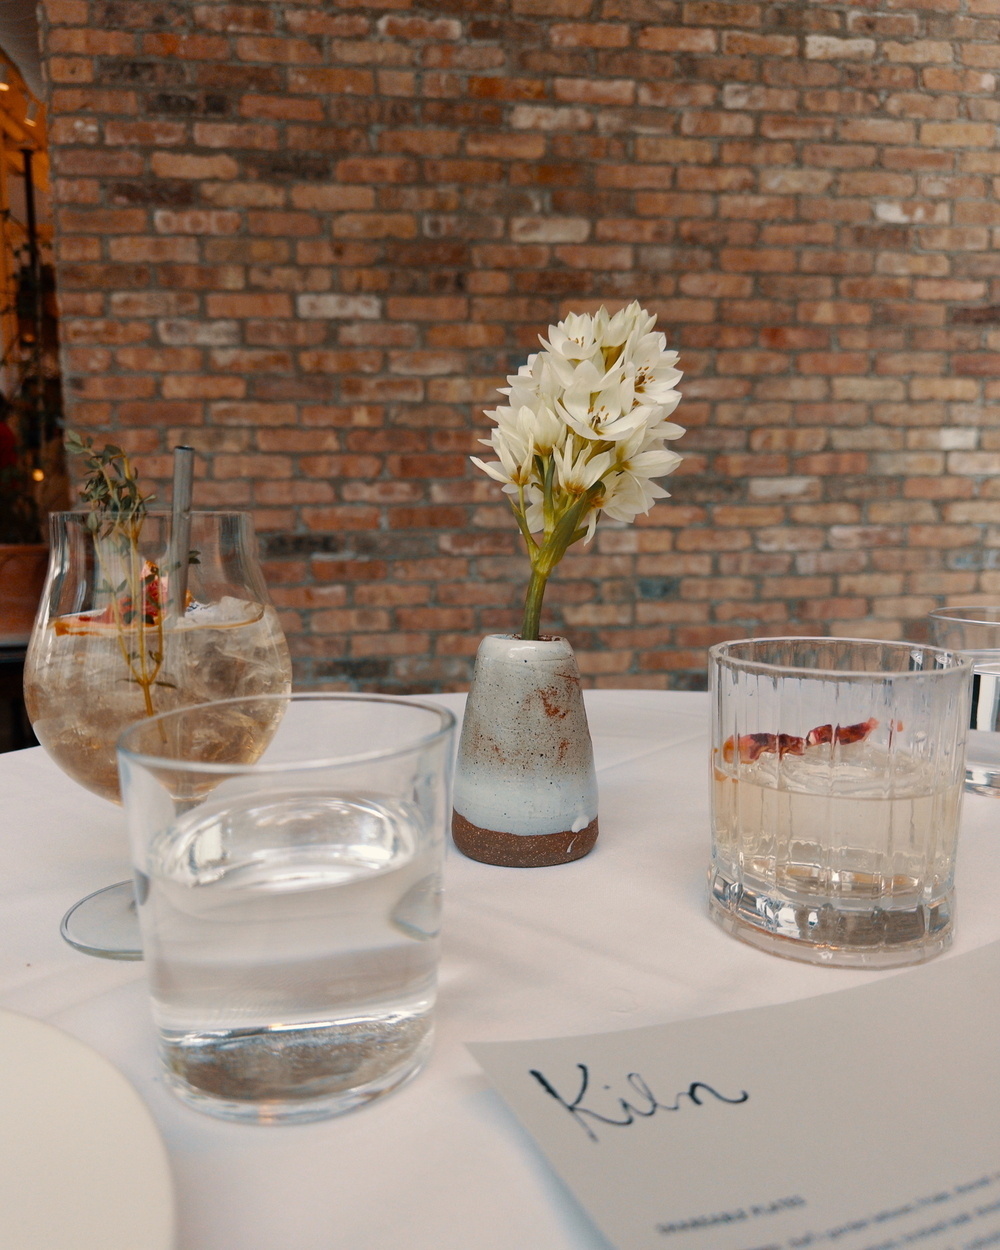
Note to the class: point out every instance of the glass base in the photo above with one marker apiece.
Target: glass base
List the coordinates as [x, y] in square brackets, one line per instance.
[247, 1063]
[980, 780]
[105, 923]
[982, 763]
[819, 933]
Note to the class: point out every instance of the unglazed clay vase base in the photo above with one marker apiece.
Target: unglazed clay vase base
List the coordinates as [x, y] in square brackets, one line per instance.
[525, 785]
[510, 850]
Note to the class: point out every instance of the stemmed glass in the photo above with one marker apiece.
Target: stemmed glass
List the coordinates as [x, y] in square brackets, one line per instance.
[975, 630]
[107, 650]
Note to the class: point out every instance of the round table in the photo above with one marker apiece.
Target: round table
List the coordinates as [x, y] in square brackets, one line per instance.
[613, 941]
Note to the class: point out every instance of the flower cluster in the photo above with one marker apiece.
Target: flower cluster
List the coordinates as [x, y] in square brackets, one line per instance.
[584, 432]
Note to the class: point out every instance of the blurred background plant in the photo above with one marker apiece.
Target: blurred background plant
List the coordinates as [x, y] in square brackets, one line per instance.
[33, 477]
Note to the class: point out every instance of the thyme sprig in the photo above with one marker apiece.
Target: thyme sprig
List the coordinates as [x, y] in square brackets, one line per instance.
[115, 519]
[111, 487]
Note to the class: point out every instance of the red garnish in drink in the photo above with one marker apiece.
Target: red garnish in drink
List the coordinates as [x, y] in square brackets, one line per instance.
[856, 733]
[753, 746]
[154, 592]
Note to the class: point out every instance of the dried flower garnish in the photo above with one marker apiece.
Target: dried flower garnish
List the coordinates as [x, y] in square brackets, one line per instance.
[753, 746]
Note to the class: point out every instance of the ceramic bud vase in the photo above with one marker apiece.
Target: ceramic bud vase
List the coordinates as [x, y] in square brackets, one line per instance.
[525, 785]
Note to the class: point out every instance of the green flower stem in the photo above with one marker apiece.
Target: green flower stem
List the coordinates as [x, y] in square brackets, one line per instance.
[533, 603]
[567, 530]
[519, 510]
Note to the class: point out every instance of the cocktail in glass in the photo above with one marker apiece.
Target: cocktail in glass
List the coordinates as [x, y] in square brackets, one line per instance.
[837, 769]
[106, 651]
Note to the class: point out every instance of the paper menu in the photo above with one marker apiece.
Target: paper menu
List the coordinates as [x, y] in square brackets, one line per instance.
[865, 1119]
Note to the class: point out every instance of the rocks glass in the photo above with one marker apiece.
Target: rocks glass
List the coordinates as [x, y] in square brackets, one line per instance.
[837, 775]
[976, 631]
[290, 908]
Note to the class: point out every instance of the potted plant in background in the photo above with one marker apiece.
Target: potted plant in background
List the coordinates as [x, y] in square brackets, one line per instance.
[25, 491]
[583, 433]
[33, 478]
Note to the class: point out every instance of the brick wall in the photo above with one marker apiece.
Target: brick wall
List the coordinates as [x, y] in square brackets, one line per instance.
[312, 238]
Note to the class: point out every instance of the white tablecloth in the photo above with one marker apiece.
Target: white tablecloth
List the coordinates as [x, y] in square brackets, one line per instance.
[617, 940]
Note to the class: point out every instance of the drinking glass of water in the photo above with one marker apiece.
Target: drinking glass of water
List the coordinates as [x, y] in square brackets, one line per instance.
[976, 631]
[837, 777]
[290, 908]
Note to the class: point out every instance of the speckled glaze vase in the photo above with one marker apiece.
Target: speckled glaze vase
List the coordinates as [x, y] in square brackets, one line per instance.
[525, 785]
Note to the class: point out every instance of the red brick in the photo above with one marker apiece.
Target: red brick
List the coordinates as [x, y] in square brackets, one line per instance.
[958, 134]
[66, 12]
[276, 51]
[741, 43]
[418, 28]
[746, 96]
[196, 221]
[531, 117]
[620, 91]
[758, 260]
[185, 165]
[186, 47]
[427, 308]
[235, 135]
[248, 305]
[721, 13]
[103, 220]
[375, 226]
[919, 51]
[145, 134]
[589, 35]
[92, 42]
[678, 39]
[831, 48]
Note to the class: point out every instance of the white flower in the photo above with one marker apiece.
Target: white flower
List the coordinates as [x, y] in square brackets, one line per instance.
[515, 465]
[602, 408]
[573, 339]
[630, 322]
[589, 410]
[630, 488]
[538, 428]
[534, 514]
[577, 473]
[629, 495]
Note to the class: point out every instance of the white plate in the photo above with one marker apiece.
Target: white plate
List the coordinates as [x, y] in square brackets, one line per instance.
[82, 1164]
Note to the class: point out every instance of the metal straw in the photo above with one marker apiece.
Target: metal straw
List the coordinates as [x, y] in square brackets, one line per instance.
[180, 530]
